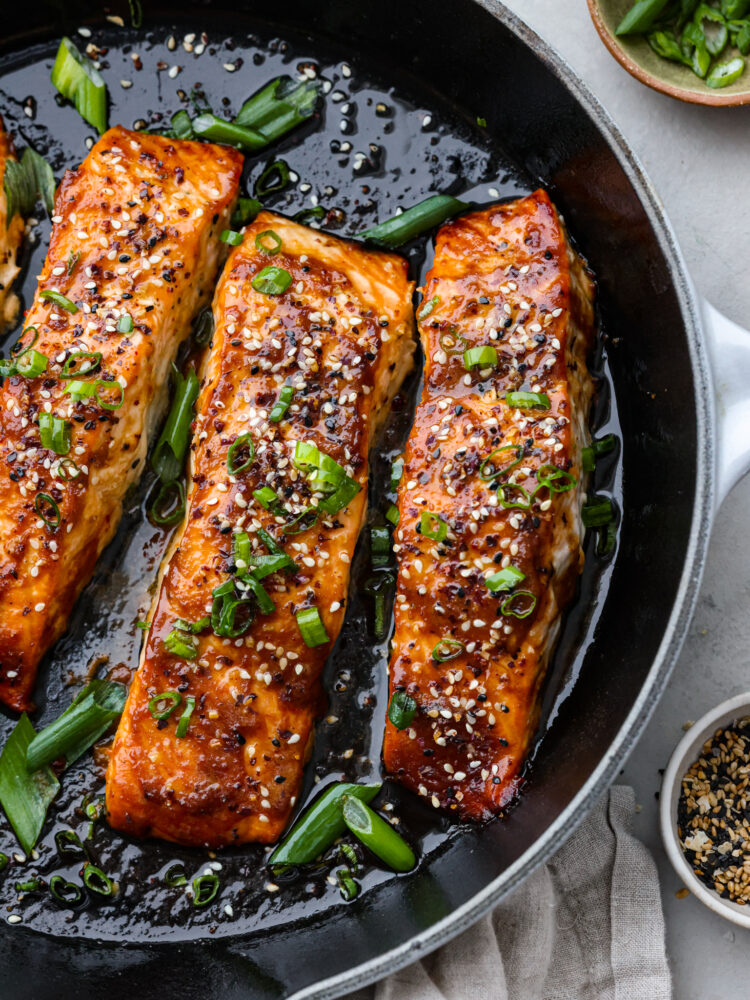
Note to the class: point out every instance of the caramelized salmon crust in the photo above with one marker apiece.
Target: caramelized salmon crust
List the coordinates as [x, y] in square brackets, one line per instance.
[470, 653]
[340, 339]
[11, 235]
[134, 254]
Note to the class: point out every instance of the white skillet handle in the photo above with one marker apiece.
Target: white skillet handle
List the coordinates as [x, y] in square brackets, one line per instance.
[729, 351]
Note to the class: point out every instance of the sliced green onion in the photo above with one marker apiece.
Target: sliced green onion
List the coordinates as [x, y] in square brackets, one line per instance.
[25, 794]
[46, 507]
[714, 28]
[480, 357]
[169, 454]
[4, 861]
[555, 479]
[67, 893]
[346, 490]
[54, 433]
[105, 386]
[31, 885]
[392, 514]
[213, 129]
[641, 17]
[693, 45]
[272, 281]
[19, 347]
[527, 400]
[377, 835]
[320, 825]
[326, 475]
[380, 587]
[180, 643]
[606, 539]
[68, 844]
[225, 608]
[242, 445]
[311, 627]
[263, 566]
[380, 546]
[269, 543]
[447, 649]
[505, 579]
[31, 363]
[282, 404]
[414, 221]
[23, 180]
[428, 307]
[232, 238]
[125, 323]
[598, 446]
[162, 705]
[268, 242]
[274, 177]
[401, 709]
[60, 300]
[726, 73]
[307, 215]
[175, 875]
[80, 390]
[347, 886]
[67, 470]
[77, 79]
[184, 722]
[488, 470]
[279, 107]
[88, 717]
[205, 888]
[265, 602]
[598, 512]
[245, 211]
[519, 605]
[305, 520]
[169, 506]
[96, 881]
[81, 363]
[397, 471]
[182, 126]
[511, 496]
[267, 497]
[432, 526]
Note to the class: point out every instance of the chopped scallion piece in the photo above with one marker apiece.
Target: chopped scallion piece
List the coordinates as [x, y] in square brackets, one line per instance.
[401, 709]
[282, 404]
[378, 835]
[432, 526]
[245, 212]
[125, 323]
[66, 893]
[205, 888]
[326, 475]
[225, 608]
[182, 644]
[414, 221]
[527, 400]
[380, 546]
[556, 480]
[184, 722]
[81, 363]
[511, 496]
[302, 522]
[480, 357]
[23, 180]
[428, 307]
[31, 363]
[175, 875]
[447, 649]
[231, 237]
[169, 505]
[24, 795]
[213, 129]
[96, 881]
[169, 454]
[311, 627]
[162, 705]
[347, 886]
[496, 465]
[392, 514]
[397, 471]
[60, 300]
[504, 579]
[268, 242]
[280, 106]
[241, 454]
[726, 73]
[54, 433]
[274, 177]
[182, 126]
[272, 281]
[77, 79]
[598, 512]
[266, 497]
[519, 604]
[47, 508]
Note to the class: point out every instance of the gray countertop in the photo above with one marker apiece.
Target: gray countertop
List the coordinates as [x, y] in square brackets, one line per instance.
[699, 161]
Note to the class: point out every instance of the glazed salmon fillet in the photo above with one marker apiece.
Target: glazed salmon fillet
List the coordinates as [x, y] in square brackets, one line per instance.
[296, 383]
[489, 538]
[133, 255]
[11, 235]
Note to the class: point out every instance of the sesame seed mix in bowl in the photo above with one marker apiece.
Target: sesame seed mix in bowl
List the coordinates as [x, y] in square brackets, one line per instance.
[713, 814]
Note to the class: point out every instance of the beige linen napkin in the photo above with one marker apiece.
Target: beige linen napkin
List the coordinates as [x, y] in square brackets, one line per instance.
[588, 925]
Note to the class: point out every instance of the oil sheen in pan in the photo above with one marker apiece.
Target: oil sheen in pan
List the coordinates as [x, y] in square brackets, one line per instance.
[379, 145]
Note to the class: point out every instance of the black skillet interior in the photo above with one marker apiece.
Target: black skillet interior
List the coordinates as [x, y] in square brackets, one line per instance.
[452, 61]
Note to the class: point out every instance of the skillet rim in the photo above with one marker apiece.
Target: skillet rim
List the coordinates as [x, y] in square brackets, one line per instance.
[675, 632]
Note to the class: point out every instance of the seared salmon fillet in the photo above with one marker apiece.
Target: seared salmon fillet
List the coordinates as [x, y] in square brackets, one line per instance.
[297, 380]
[11, 235]
[133, 255]
[489, 538]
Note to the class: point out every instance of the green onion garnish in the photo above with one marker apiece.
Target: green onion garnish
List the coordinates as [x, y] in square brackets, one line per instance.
[224, 609]
[184, 722]
[4, 861]
[401, 709]
[641, 16]
[347, 886]
[511, 496]
[88, 717]
[302, 522]
[23, 180]
[205, 888]
[46, 507]
[81, 363]
[169, 454]
[414, 221]
[77, 79]
[54, 433]
[68, 844]
[519, 605]
[180, 643]
[272, 281]
[60, 300]
[447, 649]
[125, 323]
[311, 627]
[240, 454]
[203, 327]
[24, 795]
[598, 512]
[175, 875]
[380, 587]
[428, 307]
[392, 514]
[325, 475]
[380, 546]
[279, 106]
[397, 471]
[96, 881]
[67, 893]
[214, 129]
[182, 126]
[480, 357]
[527, 400]
[162, 705]
[320, 825]
[169, 506]
[432, 526]
[504, 579]
[84, 390]
[264, 566]
[67, 470]
[555, 479]
[268, 242]
[31, 363]
[231, 237]
[282, 404]
[598, 446]
[306, 215]
[266, 497]
[245, 211]
[490, 469]
[377, 835]
[274, 177]
[726, 73]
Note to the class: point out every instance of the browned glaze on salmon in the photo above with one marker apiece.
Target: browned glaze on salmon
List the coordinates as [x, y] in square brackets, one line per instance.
[136, 234]
[474, 660]
[341, 337]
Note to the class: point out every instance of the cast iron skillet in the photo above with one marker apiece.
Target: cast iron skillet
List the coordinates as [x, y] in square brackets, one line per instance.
[463, 59]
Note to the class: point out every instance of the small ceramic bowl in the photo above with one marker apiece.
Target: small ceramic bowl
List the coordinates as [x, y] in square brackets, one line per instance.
[636, 55]
[688, 750]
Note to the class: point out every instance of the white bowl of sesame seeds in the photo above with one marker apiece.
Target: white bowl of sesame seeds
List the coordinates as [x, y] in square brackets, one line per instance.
[707, 829]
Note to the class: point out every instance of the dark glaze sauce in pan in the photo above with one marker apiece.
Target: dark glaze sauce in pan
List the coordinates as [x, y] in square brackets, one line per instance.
[413, 144]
